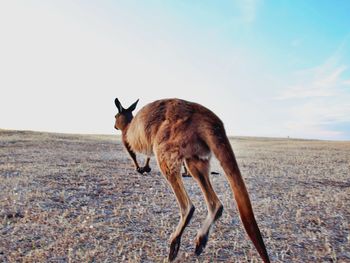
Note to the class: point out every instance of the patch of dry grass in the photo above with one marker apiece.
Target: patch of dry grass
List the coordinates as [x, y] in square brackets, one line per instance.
[72, 198]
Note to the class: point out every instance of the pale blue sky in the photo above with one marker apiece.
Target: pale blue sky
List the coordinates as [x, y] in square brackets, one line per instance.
[267, 68]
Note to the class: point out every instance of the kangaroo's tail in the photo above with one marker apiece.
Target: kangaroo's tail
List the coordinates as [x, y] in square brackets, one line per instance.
[221, 147]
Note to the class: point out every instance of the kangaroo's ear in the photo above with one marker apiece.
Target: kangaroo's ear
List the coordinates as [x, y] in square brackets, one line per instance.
[133, 106]
[119, 105]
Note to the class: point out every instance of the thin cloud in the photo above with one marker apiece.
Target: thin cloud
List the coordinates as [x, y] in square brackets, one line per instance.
[248, 9]
[296, 42]
[320, 101]
[317, 82]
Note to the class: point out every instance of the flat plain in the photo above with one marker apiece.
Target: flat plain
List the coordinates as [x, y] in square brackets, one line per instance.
[77, 198]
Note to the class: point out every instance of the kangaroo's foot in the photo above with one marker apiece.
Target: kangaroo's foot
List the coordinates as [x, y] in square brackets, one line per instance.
[174, 248]
[186, 175]
[203, 234]
[145, 169]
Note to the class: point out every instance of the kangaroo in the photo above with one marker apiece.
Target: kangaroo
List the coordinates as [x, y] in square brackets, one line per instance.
[178, 131]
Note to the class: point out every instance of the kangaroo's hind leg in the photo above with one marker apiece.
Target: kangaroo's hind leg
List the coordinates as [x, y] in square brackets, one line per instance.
[171, 170]
[199, 170]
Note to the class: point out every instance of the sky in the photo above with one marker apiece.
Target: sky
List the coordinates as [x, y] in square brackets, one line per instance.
[266, 68]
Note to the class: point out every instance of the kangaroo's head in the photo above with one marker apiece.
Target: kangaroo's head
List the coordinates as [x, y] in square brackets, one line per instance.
[124, 116]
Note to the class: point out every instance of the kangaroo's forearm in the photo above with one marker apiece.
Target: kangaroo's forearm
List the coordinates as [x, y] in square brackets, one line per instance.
[132, 154]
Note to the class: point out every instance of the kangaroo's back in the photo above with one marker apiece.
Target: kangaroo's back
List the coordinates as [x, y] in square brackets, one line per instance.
[174, 122]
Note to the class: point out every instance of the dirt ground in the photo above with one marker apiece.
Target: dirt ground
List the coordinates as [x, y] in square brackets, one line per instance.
[72, 198]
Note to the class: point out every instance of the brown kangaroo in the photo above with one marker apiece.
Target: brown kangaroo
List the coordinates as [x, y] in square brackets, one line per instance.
[178, 131]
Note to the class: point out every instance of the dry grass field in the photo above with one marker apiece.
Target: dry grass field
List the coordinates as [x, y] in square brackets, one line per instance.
[72, 198]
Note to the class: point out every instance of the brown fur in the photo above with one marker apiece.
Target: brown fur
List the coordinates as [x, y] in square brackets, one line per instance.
[178, 131]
